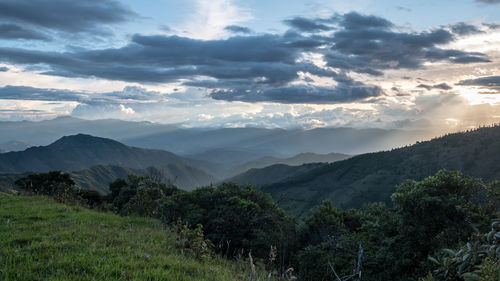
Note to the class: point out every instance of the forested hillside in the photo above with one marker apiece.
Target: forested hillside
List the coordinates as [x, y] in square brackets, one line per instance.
[372, 177]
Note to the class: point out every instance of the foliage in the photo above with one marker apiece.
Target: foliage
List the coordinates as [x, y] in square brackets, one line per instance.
[60, 186]
[435, 212]
[233, 217]
[52, 183]
[139, 195]
[192, 241]
[477, 260]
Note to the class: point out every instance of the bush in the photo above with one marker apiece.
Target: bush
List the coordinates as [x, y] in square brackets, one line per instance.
[56, 184]
[192, 241]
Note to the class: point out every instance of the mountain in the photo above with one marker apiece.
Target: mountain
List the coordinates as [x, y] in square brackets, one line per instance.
[82, 151]
[372, 177]
[297, 160]
[78, 152]
[272, 174]
[14, 145]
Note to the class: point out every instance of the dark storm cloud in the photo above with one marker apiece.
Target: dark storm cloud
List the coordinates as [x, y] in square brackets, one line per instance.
[442, 86]
[487, 82]
[13, 31]
[307, 25]
[69, 16]
[261, 66]
[238, 29]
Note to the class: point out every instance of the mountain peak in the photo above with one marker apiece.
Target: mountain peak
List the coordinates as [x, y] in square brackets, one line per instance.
[83, 140]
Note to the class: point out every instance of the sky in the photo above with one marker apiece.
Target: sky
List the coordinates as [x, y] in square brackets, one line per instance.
[432, 65]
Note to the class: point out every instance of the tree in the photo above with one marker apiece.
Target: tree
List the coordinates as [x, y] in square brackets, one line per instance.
[434, 213]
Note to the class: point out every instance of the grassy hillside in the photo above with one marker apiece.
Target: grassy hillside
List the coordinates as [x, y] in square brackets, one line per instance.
[372, 177]
[44, 240]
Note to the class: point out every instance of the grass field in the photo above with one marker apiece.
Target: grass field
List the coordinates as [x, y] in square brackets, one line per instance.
[44, 240]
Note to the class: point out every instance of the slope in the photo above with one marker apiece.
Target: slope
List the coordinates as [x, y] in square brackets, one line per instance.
[372, 177]
[44, 240]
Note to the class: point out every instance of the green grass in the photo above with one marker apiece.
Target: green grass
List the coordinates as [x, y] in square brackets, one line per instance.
[44, 240]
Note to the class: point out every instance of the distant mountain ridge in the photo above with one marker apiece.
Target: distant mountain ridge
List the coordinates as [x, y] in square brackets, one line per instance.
[297, 160]
[372, 177]
[272, 174]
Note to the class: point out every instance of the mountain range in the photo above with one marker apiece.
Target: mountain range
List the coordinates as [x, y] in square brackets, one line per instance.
[94, 162]
[215, 143]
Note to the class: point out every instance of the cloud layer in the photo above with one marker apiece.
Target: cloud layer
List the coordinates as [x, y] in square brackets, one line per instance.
[250, 68]
[67, 16]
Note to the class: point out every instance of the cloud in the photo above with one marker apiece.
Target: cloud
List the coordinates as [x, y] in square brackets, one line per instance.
[302, 94]
[126, 110]
[67, 16]
[238, 29]
[463, 28]
[4, 69]
[307, 25]
[406, 9]
[442, 86]
[487, 82]
[369, 44]
[488, 1]
[129, 94]
[13, 31]
[356, 21]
